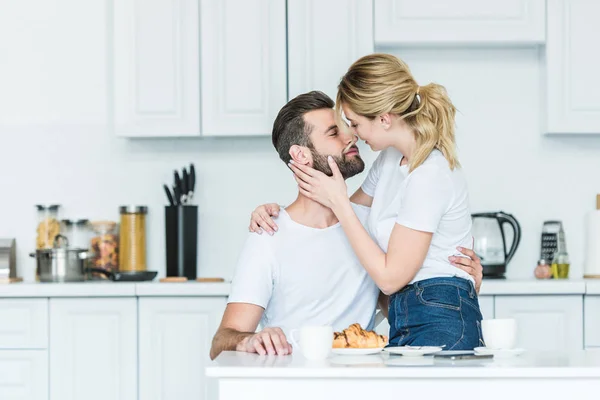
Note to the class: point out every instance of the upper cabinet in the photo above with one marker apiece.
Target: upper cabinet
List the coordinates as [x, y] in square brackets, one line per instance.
[572, 65]
[191, 68]
[155, 70]
[409, 22]
[243, 65]
[324, 38]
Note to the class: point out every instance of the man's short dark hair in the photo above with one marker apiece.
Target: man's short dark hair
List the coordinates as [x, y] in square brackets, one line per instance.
[290, 128]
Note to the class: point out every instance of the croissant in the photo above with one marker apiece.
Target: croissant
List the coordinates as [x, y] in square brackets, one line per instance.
[356, 337]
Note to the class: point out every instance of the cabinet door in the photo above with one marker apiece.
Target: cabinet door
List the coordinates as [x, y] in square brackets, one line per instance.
[324, 38]
[591, 308]
[93, 349]
[243, 65]
[24, 323]
[24, 374]
[156, 78]
[486, 306]
[459, 21]
[548, 323]
[572, 63]
[175, 335]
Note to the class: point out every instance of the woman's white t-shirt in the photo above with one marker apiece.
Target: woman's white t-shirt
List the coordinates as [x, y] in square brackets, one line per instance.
[432, 198]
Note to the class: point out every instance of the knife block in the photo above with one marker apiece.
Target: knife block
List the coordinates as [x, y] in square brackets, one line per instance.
[181, 239]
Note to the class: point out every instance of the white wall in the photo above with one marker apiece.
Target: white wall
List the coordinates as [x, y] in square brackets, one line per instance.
[57, 145]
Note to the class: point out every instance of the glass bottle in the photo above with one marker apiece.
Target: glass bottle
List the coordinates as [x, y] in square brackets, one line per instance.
[560, 265]
[132, 238]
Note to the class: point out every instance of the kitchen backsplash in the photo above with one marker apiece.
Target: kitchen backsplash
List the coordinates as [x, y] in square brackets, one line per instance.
[510, 165]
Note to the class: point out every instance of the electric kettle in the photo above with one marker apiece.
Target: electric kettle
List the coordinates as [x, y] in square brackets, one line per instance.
[490, 241]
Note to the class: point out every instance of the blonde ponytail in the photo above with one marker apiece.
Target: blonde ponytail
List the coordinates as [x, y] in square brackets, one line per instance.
[381, 83]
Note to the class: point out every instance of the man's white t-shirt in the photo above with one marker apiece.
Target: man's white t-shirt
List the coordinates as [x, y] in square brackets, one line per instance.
[432, 198]
[305, 276]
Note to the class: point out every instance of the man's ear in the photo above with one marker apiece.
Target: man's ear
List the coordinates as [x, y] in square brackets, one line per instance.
[300, 155]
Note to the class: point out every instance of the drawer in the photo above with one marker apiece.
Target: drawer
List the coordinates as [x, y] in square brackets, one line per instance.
[23, 323]
[591, 320]
[24, 374]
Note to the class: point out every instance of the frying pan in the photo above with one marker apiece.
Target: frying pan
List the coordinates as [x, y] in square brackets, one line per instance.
[126, 276]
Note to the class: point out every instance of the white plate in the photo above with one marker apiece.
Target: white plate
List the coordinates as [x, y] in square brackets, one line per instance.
[499, 352]
[413, 351]
[356, 352]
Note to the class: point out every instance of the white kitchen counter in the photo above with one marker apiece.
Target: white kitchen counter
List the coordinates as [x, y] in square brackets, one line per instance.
[114, 289]
[231, 364]
[491, 287]
[592, 286]
[547, 375]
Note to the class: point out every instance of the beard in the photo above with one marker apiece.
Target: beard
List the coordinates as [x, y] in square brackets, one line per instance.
[349, 166]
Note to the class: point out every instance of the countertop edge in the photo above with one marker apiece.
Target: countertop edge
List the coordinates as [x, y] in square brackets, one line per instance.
[113, 289]
[404, 372]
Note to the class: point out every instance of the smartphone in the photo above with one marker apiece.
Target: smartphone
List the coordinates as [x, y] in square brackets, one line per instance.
[462, 356]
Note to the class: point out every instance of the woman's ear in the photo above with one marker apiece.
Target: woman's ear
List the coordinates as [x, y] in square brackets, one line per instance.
[300, 155]
[385, 120]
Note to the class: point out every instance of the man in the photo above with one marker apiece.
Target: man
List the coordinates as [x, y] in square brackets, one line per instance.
[306, 274]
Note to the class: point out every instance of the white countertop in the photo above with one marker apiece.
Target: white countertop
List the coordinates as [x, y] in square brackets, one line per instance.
[114, 289]
[582, 364]
[592, 286]
[491, 287]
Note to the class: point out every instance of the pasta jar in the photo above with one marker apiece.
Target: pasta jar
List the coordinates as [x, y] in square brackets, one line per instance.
[132, 238]
[48, 226]
[104, 247]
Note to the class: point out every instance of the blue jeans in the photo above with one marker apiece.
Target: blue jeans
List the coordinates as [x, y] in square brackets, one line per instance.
[436, 312]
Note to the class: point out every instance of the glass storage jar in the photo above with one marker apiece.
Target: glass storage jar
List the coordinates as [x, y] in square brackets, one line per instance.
[48, 225]
[104, 247]
[132, 238]
[77, 232]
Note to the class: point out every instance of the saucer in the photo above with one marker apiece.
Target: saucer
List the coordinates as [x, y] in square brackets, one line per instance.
[413, 351]
[499, 352]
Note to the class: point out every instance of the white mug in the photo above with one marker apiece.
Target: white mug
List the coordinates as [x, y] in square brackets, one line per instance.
[315, 342]
[500, 334]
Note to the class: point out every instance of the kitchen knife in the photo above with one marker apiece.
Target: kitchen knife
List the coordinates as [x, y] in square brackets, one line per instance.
[192, 184]
[181, 197]
[184, 184]
[171, 202]
[177, 195]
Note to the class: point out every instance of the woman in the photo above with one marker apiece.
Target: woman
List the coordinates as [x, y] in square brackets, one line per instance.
[419, 203]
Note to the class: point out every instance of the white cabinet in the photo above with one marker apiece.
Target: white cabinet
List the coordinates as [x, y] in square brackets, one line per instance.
[572, 63]
[242, 65]
[420, 22]
[23, 324]
[24, 374]
[324, 38]
[174, 341]
[93, 349]
[156, 79]
[591, 320]
[486, 306]
[549, 323]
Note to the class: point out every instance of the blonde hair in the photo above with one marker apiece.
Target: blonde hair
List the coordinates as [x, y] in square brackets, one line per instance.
[381, 83]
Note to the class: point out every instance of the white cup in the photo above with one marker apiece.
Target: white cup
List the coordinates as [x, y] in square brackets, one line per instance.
[315, 342]
[499, 334]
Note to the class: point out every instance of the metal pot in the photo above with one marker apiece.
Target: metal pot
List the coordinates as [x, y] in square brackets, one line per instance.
[61, 264]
